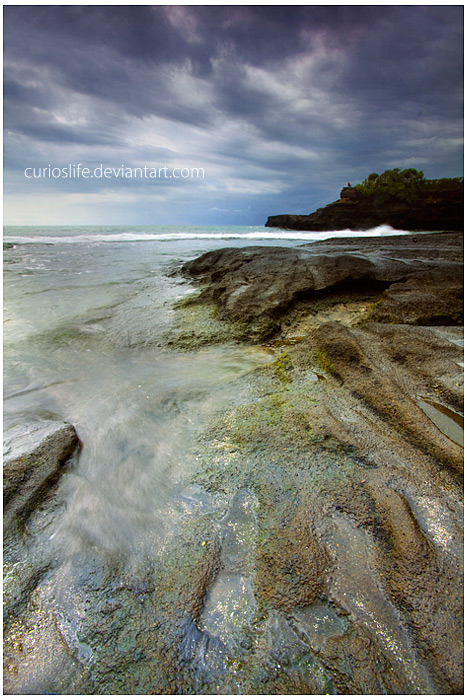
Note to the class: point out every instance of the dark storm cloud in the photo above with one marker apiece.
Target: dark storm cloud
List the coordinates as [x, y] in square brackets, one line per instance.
[174, 32]
[294, 99]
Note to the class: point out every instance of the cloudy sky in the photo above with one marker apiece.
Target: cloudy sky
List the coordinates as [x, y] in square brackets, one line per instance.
[280, 106]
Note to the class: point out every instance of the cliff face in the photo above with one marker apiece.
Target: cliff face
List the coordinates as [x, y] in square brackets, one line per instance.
[434, 209]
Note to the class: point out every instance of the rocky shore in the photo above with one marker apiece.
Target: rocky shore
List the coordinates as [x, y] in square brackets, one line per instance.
[322, 548]
[353, 447]
[409, 279]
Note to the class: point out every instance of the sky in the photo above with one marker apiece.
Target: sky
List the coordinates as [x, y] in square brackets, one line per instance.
[222, 115]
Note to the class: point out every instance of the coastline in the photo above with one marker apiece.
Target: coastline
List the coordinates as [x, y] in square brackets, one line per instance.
[392, 198]
[329, 558]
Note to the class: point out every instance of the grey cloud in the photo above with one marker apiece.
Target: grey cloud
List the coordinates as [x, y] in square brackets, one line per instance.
[255, 34]
[390, 78]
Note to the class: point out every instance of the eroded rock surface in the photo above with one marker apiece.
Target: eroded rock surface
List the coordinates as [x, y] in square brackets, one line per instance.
[360, 507]
[34, 457]
[417, 280]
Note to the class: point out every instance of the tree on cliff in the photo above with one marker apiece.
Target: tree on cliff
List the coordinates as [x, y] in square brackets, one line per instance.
[401, 184]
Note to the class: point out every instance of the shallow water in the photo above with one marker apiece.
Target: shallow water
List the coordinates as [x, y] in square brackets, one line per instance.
[84, 341]
[449, 422]
[86, 314]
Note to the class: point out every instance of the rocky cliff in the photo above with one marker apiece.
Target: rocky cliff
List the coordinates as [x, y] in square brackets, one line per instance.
[435, 208]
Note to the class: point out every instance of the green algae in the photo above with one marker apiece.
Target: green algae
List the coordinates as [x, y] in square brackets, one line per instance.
[196, 324]
[322, 358]
[190, 300]
[274, 419]
[370, 316]
[282, 367]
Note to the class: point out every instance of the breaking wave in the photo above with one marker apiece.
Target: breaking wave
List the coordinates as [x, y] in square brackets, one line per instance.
[152, 234]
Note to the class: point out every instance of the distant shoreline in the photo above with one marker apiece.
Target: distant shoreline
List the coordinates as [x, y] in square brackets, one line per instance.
[437, 206]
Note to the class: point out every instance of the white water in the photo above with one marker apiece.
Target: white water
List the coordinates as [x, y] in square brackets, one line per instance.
[108, 235]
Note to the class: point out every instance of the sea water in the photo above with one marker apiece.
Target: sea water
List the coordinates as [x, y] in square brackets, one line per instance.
[87, 311]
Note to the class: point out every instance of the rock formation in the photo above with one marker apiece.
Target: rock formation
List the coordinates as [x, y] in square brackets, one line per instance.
[416, 280]
[35, 456]
[352, 442]
[434, 209]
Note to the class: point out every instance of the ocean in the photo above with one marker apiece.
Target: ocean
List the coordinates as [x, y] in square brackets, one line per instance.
[87, 314]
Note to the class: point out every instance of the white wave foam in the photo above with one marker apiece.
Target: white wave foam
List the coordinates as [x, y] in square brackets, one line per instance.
[264, 234]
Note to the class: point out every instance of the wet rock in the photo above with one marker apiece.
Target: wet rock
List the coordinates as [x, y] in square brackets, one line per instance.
[35, 456]
[321, 545]
[292, 564]
[37, 660]
[318, 623]
[359, 511]
[414, 571]
[206, 656]
[430, 298]
[356, 587]
[445, 245]
[284, 664]
[357, 357]
[358, 487]
[230, 604]
[259, 286]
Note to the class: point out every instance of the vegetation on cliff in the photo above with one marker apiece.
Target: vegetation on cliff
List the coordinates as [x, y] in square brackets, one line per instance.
[403, 199]
[406, 185]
